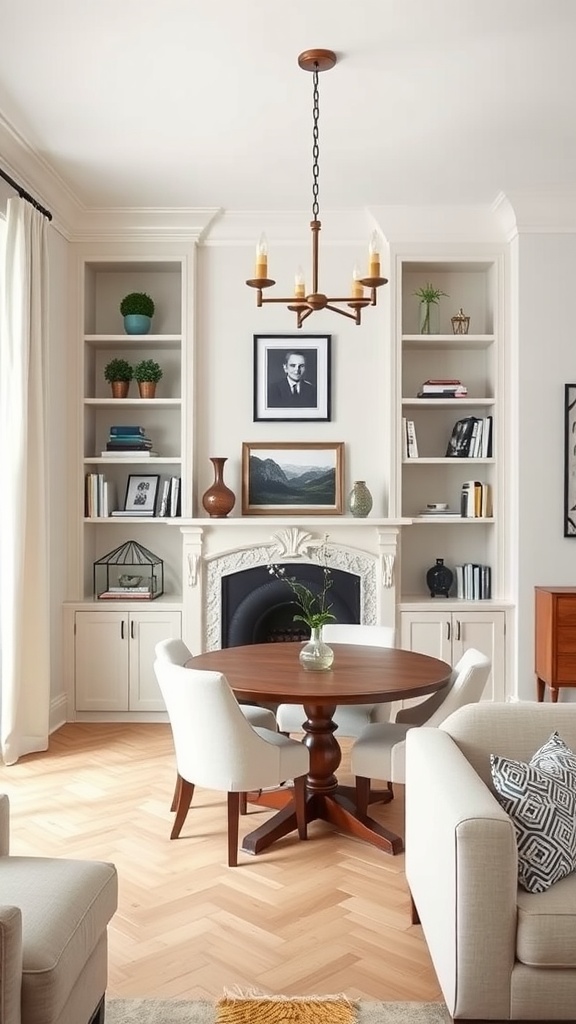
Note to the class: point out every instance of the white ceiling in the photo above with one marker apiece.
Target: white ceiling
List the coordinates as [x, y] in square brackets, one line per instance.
[201, 103]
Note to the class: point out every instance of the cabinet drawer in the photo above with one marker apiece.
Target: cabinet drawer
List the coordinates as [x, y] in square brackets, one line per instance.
[566, 611]
[566, 640]
[566, 669]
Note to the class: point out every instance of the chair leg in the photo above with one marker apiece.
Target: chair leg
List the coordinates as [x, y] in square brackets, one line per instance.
[300, 806]
[391, 790]
[186, 792]
[362, 794]
[233, 815]
[177, 785]
[414, 915]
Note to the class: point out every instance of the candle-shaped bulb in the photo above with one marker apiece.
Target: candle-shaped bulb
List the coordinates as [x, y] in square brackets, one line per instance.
[374, 255]
[357, 289]
[299, 284]
[261, 258]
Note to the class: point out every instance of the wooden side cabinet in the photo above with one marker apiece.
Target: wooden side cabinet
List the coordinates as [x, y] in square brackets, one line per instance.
[555, 642]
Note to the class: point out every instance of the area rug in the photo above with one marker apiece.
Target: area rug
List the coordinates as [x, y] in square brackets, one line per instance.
[273, 1010]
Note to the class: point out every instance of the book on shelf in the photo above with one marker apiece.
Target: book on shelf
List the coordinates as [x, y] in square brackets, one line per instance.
[459, 445]
[149, 513]
[111, 595]
[128, 431]
[476, 500]
[411, 440]
[163, 510]
[128, 590]
[174, 506]
[128, 444]
[473, 582]
[443, 389]
[99, 496]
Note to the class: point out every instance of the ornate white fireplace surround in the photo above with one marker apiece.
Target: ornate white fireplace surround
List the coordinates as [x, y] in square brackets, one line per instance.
[214, 548]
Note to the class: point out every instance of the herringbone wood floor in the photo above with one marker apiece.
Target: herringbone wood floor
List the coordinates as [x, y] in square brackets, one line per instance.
[328, 915]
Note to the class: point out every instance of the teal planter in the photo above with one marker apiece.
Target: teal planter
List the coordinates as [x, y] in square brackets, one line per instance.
[136, 323]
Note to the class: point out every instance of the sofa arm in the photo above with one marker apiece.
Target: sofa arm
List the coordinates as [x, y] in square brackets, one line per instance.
[4, 825]
[462, 870]
[10, 964]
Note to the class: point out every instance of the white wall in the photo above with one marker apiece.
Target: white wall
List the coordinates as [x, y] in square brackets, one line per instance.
[361, 384]
[546, 358]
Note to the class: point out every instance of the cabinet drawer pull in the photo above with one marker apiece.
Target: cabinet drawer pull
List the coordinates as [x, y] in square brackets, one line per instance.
[448, 630]
[132, 629]
[458, 629]
[122, 630]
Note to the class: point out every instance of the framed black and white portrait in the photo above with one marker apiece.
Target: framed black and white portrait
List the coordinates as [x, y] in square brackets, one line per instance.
[292, 377]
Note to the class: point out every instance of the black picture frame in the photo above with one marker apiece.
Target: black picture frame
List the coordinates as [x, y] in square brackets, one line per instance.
[570, 460]
[142, 494]
[308, 478]
[273, 399]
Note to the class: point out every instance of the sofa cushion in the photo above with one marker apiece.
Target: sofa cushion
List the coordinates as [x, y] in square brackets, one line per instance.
[540, 798]
[66, 906]
[546, 926]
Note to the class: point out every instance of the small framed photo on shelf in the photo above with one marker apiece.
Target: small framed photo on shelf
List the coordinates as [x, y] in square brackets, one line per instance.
[570, 460]
[292, 377]
[292, 478]
[141, 495]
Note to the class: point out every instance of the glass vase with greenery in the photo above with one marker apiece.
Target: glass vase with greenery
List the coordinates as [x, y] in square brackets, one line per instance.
[429, 297]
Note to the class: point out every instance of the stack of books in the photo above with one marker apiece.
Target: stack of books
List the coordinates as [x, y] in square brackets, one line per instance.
[129, 442]
[473, 582]
[443, 387]
[476, 500]
[471, 438]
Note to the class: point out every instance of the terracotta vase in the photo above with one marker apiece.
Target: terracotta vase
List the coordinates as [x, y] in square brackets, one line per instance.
[218, 500]
[120, 388]
[147, 388]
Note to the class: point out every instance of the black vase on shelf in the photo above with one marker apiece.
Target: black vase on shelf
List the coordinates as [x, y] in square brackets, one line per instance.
[439, 579]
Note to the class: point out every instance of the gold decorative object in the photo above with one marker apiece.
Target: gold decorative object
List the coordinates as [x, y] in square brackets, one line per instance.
[460, 322]
[304, 303]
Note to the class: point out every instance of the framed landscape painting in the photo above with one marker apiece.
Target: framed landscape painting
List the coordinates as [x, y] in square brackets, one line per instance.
[292, 478]
[292, 377]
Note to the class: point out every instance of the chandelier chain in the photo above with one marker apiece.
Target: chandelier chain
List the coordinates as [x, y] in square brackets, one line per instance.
[315, 148]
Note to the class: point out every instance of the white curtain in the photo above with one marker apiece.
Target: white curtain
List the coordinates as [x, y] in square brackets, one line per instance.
[24, 570]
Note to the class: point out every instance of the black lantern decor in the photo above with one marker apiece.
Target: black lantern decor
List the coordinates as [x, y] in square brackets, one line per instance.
[129, 573]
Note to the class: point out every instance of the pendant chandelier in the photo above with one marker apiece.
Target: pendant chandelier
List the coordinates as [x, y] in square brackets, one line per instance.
[300, 302]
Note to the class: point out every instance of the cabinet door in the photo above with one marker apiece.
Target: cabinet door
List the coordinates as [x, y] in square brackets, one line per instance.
[428, 633]
[486, 632]
[147, 628]
[101, 661]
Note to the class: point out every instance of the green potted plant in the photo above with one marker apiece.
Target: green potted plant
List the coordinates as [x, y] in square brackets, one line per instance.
[137, 308]
[147, 373]
[119, 373]
[429, 299]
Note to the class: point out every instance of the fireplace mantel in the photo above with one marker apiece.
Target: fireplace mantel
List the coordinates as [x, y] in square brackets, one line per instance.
[213, 548]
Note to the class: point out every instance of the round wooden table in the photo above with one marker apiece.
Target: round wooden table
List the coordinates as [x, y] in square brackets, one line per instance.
[266, 673]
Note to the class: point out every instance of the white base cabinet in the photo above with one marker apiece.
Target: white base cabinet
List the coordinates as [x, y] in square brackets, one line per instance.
[448, 634]
[114, 658]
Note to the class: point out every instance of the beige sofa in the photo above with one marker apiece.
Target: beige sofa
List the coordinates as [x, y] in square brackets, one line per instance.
[500, 953]
[54, 914]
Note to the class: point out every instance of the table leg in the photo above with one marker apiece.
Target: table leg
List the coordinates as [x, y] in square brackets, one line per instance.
[326, 800]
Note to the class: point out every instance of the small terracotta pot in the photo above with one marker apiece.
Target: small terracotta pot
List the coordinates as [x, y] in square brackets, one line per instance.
[119, 388]
[147, 388]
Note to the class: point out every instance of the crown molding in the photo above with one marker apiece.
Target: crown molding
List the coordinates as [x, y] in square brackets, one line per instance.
[550, 212]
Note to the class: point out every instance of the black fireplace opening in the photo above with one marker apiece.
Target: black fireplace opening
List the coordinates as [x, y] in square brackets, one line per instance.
[258, 608]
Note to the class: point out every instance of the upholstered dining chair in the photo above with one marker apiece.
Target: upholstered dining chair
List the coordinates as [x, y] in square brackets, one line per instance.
[217, 747]
[380, 750]
[176, 652]
[351, 719]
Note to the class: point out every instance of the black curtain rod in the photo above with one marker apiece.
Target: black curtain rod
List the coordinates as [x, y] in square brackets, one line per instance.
[25, 195]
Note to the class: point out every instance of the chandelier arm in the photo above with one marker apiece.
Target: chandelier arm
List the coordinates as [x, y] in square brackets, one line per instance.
[302, 315]
[334, 309]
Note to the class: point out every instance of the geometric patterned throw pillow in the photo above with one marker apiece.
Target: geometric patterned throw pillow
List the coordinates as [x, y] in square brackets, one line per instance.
[540, 798]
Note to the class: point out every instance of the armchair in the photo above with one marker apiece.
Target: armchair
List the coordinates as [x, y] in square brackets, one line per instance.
[500, 953]
[53, 935]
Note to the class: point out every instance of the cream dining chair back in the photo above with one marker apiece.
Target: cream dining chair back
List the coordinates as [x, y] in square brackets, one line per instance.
[380, 751]
[175, 652]
[351, 719]
[216, 747]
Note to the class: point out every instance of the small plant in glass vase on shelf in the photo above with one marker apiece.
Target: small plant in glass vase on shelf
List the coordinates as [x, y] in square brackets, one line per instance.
[315, 655]
[429, 320]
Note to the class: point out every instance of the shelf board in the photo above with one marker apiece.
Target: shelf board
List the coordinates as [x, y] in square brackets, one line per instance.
[119, 403]
[445, 341]
[151, 341]
[452, 520]
[444, 402]
[442, 461]
[154, 460]
[110, 520]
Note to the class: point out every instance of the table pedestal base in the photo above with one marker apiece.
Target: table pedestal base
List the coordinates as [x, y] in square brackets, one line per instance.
[335, 808]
